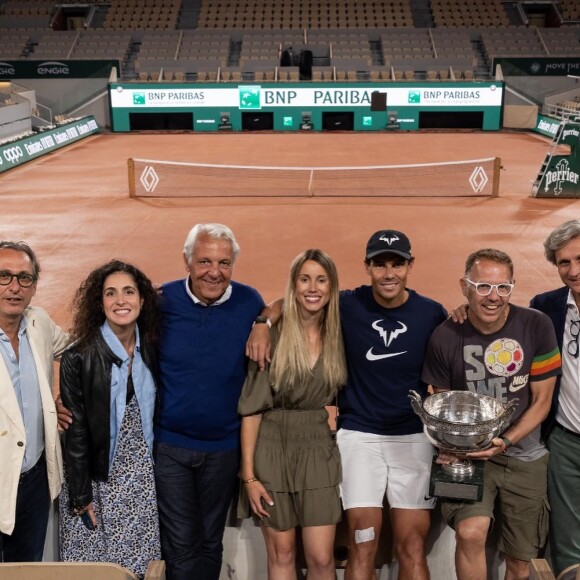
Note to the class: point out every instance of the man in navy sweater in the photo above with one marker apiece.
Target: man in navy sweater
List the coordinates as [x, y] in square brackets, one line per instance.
[207, 319]
[562, 248]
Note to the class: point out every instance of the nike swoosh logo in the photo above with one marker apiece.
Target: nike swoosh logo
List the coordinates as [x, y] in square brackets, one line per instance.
[371, 356]
[514, 389]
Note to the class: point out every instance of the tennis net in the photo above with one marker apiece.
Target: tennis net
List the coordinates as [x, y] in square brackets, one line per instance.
[156, 178]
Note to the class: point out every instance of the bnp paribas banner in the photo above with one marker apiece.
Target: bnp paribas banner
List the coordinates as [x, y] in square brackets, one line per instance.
[562, 175]
[56, 69]
[255, 97]
[538, 66]
[19, 152]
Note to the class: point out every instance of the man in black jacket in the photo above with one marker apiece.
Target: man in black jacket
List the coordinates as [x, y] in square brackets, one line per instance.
[562, 428]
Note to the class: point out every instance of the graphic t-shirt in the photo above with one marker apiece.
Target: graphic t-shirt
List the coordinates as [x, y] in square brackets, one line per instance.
[384, 349]
[501, 365]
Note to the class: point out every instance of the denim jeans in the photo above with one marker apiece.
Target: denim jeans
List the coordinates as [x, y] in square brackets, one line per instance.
[26, 543]
[194, 492]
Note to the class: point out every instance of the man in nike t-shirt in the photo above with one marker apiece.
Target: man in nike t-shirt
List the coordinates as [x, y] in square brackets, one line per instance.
[511, 354]
[386, 328]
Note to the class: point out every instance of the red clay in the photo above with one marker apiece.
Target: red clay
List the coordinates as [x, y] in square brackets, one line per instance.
[73, 207]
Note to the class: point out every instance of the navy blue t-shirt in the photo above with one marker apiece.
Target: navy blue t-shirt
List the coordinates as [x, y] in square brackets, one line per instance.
[385, 348]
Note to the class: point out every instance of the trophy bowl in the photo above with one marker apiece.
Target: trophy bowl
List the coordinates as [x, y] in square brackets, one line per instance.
[459, 422]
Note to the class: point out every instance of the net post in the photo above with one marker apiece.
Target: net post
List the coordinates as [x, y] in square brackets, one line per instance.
[496, 171]
[131, 170]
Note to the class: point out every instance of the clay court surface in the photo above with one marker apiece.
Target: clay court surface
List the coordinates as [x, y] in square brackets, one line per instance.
[73, 208]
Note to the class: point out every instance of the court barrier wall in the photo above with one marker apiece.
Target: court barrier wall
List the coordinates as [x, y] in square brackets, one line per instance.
[559, 175]
[306, 106]
[18, 152]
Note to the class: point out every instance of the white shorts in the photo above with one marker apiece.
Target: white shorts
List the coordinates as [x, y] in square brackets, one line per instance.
[372, 465]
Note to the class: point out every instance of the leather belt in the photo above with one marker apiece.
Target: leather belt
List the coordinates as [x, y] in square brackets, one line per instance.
[568, 431]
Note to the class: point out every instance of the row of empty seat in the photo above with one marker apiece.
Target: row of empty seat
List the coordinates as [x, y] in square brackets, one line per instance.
[66, 45]
[524, 41]
[570, 105]
[266, 14]
[369, 47]
[142, 14]
[563, 41]
[292, 74]
[462, 13]
[570, 9]
[313, 14]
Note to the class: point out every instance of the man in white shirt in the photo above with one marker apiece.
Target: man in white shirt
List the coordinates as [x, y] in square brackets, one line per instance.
[30, 454]
[562, 248]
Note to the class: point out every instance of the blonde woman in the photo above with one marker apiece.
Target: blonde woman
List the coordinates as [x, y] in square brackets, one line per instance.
[290, 462]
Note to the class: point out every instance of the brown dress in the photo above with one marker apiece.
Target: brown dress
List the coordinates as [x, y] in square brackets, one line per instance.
[296, 458]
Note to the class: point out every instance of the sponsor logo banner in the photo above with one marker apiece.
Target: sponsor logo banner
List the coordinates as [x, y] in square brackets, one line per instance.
[570, 134]
[414, 97]
[560, 178]
[254, 97]
[19, 152]
[547, 126]
[249, 97]
[541, 66]
[41, 69]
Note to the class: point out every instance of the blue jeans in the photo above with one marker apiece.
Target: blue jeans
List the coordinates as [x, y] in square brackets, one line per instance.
[26, 543]
[194, 492]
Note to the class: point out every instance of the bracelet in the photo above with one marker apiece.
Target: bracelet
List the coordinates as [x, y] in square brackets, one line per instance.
[507, 442]
[251, 480]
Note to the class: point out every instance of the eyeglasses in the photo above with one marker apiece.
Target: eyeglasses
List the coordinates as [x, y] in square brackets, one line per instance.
[573, 344]
[485, 289]
[24, 280]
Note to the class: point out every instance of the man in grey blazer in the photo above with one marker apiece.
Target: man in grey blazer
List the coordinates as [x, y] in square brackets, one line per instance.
[30, 454]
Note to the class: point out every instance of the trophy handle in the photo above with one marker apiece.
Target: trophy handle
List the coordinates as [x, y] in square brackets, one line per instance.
[416, 402]
[511, 409]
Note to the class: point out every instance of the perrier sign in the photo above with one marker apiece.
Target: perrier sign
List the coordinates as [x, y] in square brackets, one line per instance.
[561, 177]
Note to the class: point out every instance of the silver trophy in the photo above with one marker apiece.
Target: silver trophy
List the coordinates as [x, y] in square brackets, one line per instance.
[459, 422]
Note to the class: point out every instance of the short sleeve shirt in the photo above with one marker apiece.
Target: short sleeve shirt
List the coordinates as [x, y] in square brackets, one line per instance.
[501, 365]
[385, 348]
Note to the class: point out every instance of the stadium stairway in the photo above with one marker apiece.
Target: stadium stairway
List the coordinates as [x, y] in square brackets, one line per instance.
[129, 71]
[512, 14]
[483, 68]
[376, 47]
[234, 53]
[99, 16]
[421, 12]
[189, 14]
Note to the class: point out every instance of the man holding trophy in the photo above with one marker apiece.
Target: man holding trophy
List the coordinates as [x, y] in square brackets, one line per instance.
[505, 352]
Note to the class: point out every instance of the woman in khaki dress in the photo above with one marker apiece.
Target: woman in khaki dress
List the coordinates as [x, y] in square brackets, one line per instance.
[290, 462]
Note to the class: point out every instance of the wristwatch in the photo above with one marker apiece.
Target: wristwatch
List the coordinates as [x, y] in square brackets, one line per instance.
[263, 320]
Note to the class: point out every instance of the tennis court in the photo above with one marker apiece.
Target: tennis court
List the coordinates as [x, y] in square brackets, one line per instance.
[73, 207]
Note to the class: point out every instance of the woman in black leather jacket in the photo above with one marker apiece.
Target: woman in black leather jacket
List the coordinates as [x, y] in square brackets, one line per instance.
[107, 382]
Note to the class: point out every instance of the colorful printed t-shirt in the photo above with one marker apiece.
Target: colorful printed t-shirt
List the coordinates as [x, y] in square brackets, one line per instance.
[500, 365]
